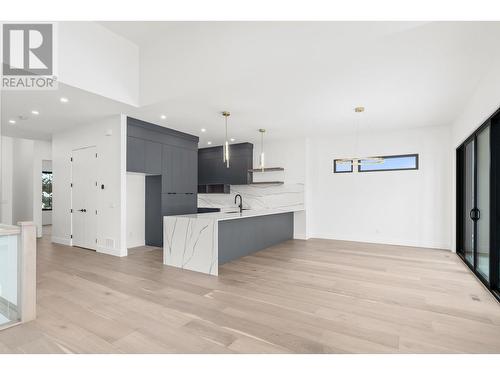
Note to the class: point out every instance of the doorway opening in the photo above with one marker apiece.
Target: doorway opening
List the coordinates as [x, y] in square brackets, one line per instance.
[47, 196]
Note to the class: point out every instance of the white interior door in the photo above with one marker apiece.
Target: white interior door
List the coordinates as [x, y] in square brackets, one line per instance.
[84, 197]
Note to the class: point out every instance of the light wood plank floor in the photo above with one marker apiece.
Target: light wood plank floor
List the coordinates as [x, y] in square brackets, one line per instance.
[316, 296]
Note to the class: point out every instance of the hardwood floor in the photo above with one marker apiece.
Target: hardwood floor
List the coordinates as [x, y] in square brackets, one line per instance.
[315, 296]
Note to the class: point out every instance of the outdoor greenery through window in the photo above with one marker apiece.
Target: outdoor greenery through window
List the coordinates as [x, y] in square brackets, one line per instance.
[46, 191]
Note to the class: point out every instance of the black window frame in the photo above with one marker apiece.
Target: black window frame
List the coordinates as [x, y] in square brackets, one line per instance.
[47, 209]
[394, 169]
[493, 284]
[335, 167]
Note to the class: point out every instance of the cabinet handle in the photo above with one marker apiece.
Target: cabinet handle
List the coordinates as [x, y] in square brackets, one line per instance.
[189, 193]
[171, 193]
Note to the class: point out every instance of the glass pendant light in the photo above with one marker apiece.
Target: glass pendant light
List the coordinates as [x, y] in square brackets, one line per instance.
[364, 160]
[225, 151]
[262, 161]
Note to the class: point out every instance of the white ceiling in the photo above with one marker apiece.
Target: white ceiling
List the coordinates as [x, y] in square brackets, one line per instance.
[292, 78]
[54, 116]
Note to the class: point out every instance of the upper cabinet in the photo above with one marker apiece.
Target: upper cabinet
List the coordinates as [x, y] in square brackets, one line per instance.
[152, 157]
[143, 156]
[135, 154]
[155, 150]
[213, 171]
[146, 144]
[180, 170]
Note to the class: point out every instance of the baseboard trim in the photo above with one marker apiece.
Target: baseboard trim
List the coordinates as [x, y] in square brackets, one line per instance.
[61, 240]
[384, 242]
[110, 251]
[300, 236]
[131, 246]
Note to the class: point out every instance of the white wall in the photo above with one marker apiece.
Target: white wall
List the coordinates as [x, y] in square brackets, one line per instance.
[482, 104]
[6, 180]
[8, 268]
[93, 58]
[136, 207]
[22, 179]
[395, 207]
[289, 154]
[111, 172]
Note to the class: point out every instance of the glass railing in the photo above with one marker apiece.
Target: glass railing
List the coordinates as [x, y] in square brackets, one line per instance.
[9, 275]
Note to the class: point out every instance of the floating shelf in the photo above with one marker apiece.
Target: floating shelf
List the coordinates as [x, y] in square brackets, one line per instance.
[273, 169]
[268, 183]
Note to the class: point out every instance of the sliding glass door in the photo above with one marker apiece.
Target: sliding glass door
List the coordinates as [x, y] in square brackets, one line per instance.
[469, 203]
[478, 203]
[483, 204]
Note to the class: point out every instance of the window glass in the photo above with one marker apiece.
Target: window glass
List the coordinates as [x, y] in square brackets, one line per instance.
[392, 163]
[339, 167]
[46, 191]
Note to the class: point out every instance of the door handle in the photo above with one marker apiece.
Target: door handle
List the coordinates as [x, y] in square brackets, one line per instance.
[475, 214]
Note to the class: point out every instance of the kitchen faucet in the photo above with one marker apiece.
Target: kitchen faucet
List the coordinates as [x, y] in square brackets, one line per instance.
[241, 202]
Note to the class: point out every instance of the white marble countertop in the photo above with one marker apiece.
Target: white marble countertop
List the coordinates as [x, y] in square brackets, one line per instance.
[220, 216]
[7, 230]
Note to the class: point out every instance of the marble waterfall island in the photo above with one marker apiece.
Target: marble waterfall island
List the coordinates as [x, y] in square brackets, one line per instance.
[202, 242]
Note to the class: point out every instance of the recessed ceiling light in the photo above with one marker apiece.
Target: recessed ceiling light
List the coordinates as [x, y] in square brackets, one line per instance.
[232, 139]
[35, 112]
[209, 142]
[203, 130]
[64, 100]
[12, 122]
[163, 117]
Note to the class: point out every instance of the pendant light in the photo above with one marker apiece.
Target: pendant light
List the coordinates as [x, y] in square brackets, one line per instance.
[225, 151]
[360, 160]
[262, 161]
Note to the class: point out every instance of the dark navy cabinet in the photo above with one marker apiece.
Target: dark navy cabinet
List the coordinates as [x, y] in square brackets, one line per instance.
[152, 157]
[169, 158]
[143, 156]
[179, 203]
[179, 169]
[212, 170]
[135, 154]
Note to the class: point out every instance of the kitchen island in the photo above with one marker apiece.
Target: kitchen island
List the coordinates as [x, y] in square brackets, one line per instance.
[202, 242]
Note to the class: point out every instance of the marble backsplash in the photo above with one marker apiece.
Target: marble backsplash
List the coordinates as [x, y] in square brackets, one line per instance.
[257, 197]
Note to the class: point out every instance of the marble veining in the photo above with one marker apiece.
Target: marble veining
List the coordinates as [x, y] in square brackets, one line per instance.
[191, 241]
[258, 197]
[186, 241]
